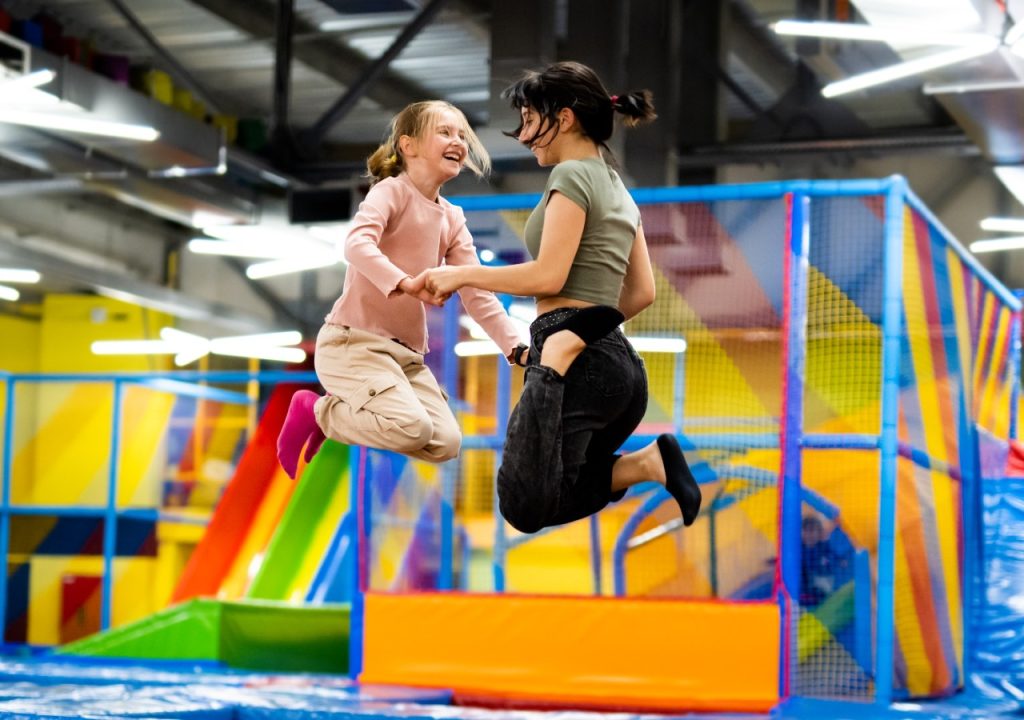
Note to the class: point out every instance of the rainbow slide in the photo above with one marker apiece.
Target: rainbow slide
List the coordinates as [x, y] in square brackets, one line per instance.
[274, 555]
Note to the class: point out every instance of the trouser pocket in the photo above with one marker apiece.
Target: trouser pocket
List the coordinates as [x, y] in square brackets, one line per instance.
[372, 388]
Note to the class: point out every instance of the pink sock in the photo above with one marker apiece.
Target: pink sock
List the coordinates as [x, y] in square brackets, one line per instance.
[316, 439]
[299, 425]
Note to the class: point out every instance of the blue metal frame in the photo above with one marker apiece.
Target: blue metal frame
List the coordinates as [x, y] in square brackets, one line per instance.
[356, 457]
[450, 379]
[110, 516]
[712, 193]
[790, 438]
[179, 383]
[1000, 290]
[892, 331]
[5, 497]
[791, 431]
[503, 407]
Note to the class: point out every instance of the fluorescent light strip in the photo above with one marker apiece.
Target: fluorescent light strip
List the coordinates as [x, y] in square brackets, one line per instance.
[278, 354]
[77, 124]
[285, 337]
[873, 33]
[476, 348]
[240, 248]
[32, 80]
[971, 87]
[675, 346]
[998, 224]
[909, 68]
[19, 276]
[9, 293]
[1015, 242]
[1012, 176]
[290, 265]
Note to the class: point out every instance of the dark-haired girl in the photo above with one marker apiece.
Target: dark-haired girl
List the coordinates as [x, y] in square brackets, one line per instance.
[586, 387]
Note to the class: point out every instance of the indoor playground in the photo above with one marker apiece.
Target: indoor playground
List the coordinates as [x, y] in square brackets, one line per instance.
[842, 373]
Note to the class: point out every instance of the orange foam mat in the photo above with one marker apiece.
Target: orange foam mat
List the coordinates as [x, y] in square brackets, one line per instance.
[595, 653]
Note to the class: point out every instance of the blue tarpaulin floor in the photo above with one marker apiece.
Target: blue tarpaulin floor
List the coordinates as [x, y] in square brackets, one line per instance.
[82, 688]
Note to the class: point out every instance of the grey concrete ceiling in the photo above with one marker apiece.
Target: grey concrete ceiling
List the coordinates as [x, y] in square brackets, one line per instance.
[730, 92]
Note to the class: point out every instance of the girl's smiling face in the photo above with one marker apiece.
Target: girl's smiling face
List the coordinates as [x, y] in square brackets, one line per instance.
[540, 135]
[442, 147]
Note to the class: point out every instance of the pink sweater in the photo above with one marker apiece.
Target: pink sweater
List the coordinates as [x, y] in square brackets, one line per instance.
[398, 232]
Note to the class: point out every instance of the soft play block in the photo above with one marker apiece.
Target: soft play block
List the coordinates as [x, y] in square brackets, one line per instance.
[597, 653]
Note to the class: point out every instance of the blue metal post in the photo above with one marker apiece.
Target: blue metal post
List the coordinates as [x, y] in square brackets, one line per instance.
[357, 479]
[1014, 369]
[892, 329]
[502, 404]
[595, 552]
[110, 516]
[791, 428]
[5, 500]
[971, 489]
[450, 380]
[679, 393]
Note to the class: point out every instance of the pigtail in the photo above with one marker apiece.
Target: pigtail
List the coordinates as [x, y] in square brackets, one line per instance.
[385, 162]
[637, 106]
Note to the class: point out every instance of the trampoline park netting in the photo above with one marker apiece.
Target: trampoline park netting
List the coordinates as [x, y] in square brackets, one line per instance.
[830, 359]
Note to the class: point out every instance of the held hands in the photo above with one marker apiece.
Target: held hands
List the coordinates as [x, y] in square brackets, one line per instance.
[416, 287]
[443, 281]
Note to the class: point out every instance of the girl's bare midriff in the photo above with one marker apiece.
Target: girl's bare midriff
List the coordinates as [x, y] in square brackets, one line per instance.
[555, 302]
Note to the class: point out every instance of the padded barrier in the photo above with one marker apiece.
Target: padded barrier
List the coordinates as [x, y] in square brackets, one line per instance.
[639, 655]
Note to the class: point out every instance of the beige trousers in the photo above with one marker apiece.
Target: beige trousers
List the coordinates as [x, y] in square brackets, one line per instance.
[382, 396]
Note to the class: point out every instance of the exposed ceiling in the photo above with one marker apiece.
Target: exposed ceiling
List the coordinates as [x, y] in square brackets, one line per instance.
[730, 91]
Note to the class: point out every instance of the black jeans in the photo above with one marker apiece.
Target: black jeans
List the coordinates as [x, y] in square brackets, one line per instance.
[563, 433]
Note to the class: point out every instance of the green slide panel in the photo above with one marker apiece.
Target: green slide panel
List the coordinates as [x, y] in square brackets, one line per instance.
[304, 532]
[251, 635]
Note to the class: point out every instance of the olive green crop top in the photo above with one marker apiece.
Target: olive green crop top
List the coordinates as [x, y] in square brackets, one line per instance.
[612, 220]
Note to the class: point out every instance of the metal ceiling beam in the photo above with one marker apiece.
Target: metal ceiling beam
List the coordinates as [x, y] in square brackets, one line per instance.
[362, 85]
[282, 144]
[181, 75]
[323, 54]
[758, 48]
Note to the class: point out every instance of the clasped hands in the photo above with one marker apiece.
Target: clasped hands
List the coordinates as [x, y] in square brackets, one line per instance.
[432, 286]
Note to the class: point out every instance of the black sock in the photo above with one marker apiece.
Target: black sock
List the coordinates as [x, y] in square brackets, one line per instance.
[590, 323]
[679, 481]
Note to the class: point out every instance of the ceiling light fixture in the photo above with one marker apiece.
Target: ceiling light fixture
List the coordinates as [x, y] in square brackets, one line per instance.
[965, 46]
[273, 268]
[997, 244]
[31, 80]
[909, 68]
[872, 33]
[187, 347]
[1012, 176]
[236, 248]
[1000, 224]
[9, 293]
[78, 124]
[286, 248]
[16, 275]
